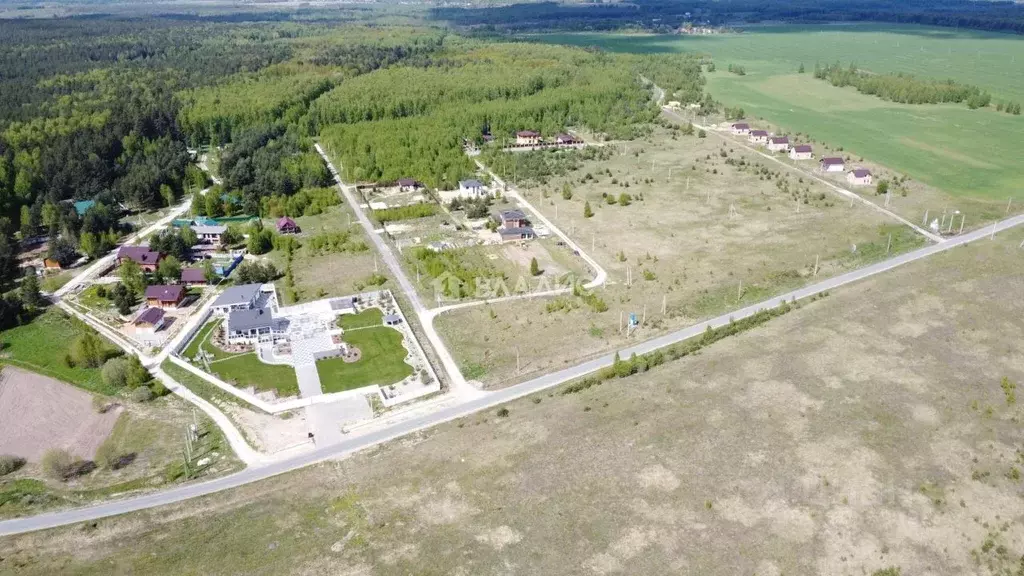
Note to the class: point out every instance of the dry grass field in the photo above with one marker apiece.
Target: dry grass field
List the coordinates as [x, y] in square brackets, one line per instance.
[727, 228]
[866, 431]
[38, 413]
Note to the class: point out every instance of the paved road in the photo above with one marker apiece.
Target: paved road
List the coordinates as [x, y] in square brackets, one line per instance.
[470, 406]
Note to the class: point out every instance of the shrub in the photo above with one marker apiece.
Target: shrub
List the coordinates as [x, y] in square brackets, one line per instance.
[503, 413]
[10, 463]
[115, 373]
[142, 394]
[60, 464]
[87, 351]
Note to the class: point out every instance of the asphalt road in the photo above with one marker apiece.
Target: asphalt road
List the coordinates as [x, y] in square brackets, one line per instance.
[249, 475]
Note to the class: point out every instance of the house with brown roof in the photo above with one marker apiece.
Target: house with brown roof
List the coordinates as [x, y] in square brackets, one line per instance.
[286, 225]
[778, 144]
[801, 152]
[566, 140]
[527, 138]
[408, 185]
[51, 264]
[741, 128]
[165, 295]
[146, 259]
[832, 164]
[859, 177]
[758, 136]
[149, 321]
[193, 277]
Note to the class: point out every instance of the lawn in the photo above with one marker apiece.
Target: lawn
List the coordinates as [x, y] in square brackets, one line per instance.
[365, 319]
[54, 282]
[964, 152]
[865, 431]
[91, 299]
[244, 370]
[41, 345]
[382, 361]
[203, 341]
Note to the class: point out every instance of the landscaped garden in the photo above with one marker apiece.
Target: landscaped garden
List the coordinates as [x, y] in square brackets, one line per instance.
[382, 360]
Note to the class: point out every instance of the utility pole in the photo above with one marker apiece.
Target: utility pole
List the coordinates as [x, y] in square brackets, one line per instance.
[889, 245]
[739, 291]
[924, 222]
[664, 303]
[1008, 201]
[620, 321]
[815, 265]
[962, 218]
[644, 320]
[517, 360]
[993, 236]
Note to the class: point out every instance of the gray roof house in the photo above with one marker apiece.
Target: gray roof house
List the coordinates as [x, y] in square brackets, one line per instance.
[254, 324]
[242, 297]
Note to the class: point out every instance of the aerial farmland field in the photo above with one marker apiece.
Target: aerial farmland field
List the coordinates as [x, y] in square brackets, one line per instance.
[965, 153]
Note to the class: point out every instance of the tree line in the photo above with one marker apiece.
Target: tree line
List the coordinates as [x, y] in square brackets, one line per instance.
[902, 88]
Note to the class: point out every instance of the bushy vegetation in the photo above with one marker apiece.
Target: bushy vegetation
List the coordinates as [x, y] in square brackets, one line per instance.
[305, 202]
[410, 212]
[335, 242]
[458, 278]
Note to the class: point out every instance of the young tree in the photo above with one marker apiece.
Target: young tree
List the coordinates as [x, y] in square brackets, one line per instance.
[87, 351]
[231, 236]
[27, 226]
[170, 269]
[63, 252]
[133, 278]
[89, 244]
[566, 191]
[587, 211]
[30, 295]
[260, 242]
[209, 273]
[214, 209]
[115, 372]
[188, 237]
[801, 69]
[123, 298]
[167, 193]
[534, 267]
[882, 187]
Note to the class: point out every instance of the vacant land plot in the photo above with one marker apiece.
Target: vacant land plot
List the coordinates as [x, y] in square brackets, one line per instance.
[322, 274]
[381, 362]
[132, 446]
[41, 345]
[866, 431]
[39, 413]
[706, 227]
[365, 319]
[967, 153]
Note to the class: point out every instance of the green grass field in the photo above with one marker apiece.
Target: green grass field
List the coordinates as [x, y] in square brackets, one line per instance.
[963, 152]
[382, 361]
[40, 346]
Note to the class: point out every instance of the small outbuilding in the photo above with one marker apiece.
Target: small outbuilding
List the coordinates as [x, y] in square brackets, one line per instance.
[286, 225]
[193, 277]
[149, 320]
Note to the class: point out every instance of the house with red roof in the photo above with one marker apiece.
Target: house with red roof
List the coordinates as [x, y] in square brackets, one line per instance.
[758, 136]
[286, 225]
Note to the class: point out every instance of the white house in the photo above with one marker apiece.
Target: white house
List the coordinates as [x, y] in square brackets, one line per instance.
[832, 165]
[778, 144]
[801, 152]
[859, 177]
[758, 137]
[471, 189]
[254, 325]
[209, 233]
[741, 129]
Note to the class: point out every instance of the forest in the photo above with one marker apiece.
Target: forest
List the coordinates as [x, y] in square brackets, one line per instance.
[407, 121]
